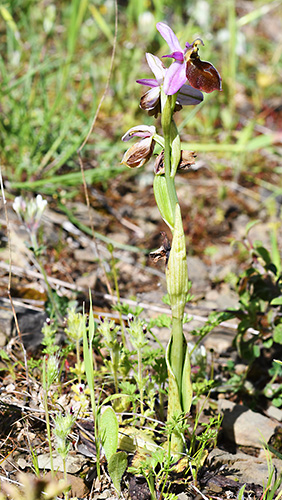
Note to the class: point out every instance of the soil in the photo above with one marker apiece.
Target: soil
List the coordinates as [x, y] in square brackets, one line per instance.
[126, 214]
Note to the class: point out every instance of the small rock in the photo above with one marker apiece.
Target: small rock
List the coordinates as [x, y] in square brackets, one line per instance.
[243, 467]
[274, 412]
[22, 463]
[243, 426]
[198, 274]
[74, 463]
[105, 494]
[31, 324]
[78, 487]
[240, 368]
[183, 496]
[219, 341]
[87, 281]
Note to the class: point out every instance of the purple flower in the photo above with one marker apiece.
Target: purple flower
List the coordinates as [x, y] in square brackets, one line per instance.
[187, 65]
[150, 101]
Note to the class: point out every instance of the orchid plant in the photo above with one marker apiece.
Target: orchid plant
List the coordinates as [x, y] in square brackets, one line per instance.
[168, 93]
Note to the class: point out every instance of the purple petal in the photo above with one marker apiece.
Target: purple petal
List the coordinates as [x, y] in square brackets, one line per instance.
[142, 131]
[156, 66]
[187, 95]
[178, 56]
[175, 77]
[188, 46]
[169, 36]
[149, 82]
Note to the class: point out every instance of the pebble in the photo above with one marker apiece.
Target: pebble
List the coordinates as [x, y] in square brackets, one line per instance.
[274, 412]
[74, 463]
[243, 426]
[244, 467]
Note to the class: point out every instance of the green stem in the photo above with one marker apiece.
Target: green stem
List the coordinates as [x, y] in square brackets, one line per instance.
[43, 272]
[45, 389]
[114, 371]
[169, 180]
[177, 332]
[78, 361]
[118, 295]
[232, 26]
[140, 381]
[167, 103]
[65, 475]
[176, 271]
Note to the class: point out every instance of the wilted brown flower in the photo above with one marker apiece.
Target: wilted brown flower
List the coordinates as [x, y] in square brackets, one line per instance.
[141, 152]
[187, 159]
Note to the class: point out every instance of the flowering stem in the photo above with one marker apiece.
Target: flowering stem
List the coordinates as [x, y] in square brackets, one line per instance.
[167, 103]
[139, 354]
[177, 331]
[43, 272]
[78, 361]
[45, 401]
[114, 270]
[177, 278]
[65, 475]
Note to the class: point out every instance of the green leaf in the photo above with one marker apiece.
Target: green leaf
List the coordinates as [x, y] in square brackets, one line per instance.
[163, 201]
[116, 468]
[264, 254]
[276, 302]
[251, 224]
[101, 22]
[256, 351]
[108, 427]
[277, 334]
[240, 495]
[187, 389]
[4, 355]
[277, 402]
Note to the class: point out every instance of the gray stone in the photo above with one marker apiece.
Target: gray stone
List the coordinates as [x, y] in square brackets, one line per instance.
[243, 426]
[274, 412]
[74, 463]
[6, 321]
[245, 468]
[198, 274]
[219, 340]
[30, 324]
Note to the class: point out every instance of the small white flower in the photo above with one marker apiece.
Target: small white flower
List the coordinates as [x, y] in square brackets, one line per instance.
[30, 211]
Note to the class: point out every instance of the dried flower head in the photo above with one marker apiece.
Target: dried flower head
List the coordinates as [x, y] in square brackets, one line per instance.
[141, 152]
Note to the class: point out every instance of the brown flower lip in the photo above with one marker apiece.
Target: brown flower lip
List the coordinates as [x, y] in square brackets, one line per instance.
[202, 75]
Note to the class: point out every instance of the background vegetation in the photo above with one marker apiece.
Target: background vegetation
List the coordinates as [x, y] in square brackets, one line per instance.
[55, 61]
